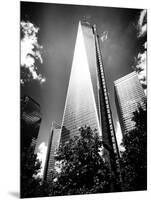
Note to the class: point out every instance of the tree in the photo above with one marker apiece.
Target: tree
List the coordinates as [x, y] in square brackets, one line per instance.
[83, 170]
[31, 183]
[134, 158]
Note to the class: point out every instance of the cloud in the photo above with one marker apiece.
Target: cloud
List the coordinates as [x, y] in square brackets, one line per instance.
[140, 60]
[104, 36]
[30, 53]
[141, 67]
[41, 154]
[142, 23]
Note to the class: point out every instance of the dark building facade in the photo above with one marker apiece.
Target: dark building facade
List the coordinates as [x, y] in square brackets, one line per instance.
[30, 121]
[87, 101]
[52, 147]
[128, 94]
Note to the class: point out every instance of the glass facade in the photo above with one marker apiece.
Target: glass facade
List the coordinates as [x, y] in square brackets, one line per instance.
[128, 93]
[87, 101]
[81, 107]
[30, 121]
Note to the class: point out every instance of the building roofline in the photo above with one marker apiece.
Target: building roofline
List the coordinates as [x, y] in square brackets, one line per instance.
[123, 78]
[23, 98]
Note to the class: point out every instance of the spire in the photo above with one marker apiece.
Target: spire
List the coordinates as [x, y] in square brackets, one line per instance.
[94, 29]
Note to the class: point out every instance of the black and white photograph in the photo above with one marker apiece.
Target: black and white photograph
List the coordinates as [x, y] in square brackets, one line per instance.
[83, 99]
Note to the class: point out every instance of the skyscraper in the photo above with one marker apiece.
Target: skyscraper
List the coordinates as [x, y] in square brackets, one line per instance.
[52, 147]
[30, 121]
[87, 101]
[128, 94]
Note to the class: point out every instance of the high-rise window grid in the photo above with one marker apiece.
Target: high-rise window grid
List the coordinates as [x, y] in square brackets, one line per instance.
[128, 94]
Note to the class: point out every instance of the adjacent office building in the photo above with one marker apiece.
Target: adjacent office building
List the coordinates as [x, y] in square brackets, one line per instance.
[128, 94]
[30, 121]
[87, 102]
[52, 148]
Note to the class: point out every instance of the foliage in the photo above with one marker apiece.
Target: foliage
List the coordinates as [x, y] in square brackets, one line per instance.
[134, 158]
[83, 170]
[30, 181]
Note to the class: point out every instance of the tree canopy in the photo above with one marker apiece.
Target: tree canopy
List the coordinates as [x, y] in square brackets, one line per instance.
[31, 183]
[83, 170]
[134, 158]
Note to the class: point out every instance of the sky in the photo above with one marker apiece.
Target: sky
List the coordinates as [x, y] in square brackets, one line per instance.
[48, 35]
